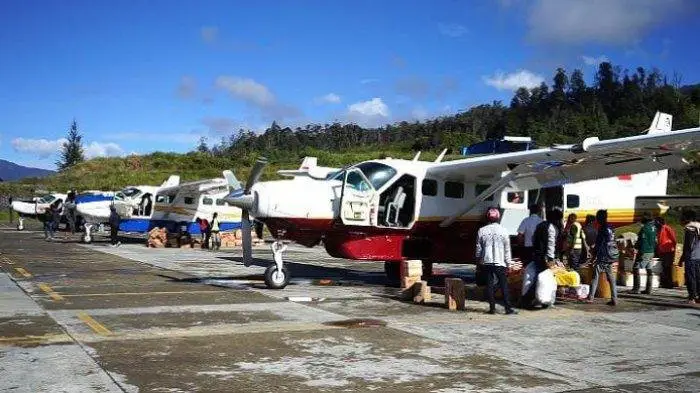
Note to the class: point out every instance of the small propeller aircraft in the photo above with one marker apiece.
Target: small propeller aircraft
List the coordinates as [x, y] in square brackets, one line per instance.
[393, 209]
[35, 207]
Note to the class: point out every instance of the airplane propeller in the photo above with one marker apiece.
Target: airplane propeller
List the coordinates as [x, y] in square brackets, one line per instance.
[242, 199]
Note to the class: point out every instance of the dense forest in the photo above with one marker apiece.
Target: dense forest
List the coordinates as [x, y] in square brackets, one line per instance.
[619, 103]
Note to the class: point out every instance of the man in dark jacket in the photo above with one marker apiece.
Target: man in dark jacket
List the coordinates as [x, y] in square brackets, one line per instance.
[646, 245]
[603, 259]
[114, 225]
[691, 255]
[545, 246]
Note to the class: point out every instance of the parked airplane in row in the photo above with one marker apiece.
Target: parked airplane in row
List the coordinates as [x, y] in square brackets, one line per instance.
[35, 207]
[393, 209]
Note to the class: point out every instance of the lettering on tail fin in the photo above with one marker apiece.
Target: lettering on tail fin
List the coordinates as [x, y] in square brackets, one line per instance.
[662, 123]
[308, 163]
[173, 180]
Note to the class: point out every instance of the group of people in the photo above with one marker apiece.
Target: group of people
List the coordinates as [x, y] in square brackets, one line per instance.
[546, 243]
[210, 231]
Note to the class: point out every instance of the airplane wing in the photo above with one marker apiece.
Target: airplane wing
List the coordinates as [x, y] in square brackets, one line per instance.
[592, 159]
[195, 186]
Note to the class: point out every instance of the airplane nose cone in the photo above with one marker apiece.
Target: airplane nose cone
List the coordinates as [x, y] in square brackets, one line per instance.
[241, 201]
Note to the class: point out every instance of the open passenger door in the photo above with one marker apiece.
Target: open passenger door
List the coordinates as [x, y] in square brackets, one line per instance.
[358, 199]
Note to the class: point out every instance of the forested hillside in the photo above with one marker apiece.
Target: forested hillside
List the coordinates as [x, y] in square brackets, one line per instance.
[618, 103]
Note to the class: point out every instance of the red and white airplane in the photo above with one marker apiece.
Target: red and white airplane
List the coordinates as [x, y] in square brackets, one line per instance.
[393, 209]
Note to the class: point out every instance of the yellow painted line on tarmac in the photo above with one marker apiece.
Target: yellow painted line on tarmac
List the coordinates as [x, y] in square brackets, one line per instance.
[23, 272]
[94, 325]
[49, 291]
[138, 293]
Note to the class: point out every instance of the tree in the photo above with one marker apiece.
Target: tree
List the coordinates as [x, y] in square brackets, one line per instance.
[202, 146]
[72, 152]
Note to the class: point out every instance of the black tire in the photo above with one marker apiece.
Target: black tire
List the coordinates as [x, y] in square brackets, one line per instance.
[271, 279]
[393, 273]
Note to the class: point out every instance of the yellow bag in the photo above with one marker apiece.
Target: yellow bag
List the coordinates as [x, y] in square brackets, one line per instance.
[567, 278]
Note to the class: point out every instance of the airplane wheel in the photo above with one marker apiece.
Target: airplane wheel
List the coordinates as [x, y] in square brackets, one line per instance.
[392, 271]
[274, 279]
[87, 239]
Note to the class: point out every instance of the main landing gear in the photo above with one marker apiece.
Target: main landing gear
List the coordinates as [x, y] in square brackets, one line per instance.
[276, 275]
[87, 238]
[20, 224]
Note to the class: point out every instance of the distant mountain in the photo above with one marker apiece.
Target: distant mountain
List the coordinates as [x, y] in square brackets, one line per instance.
[10, 171]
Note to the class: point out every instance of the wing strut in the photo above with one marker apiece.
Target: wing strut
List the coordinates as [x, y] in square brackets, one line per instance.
[495, 187]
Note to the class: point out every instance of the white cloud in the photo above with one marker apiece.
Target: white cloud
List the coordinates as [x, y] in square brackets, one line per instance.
[513, 81]
[602, 21]
[43, 148]
[330, 98]
[209, 33]
[257, 95]
[246, 89]
[370, 113]
[453, 30]
[97, 149]
[594, 61]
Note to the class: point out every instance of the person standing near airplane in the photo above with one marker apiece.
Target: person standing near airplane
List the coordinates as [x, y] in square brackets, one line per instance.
[545, 250]
[526, 231]
[215, 229]
[691, 255]
[575, 239]
[493, 252]
[666, 250]
[70, 211]
[646, 245]
[590, 233]
[48, 223]
[606, 253]
[114, 221]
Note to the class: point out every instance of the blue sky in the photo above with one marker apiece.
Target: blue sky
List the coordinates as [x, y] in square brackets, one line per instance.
[141, 76]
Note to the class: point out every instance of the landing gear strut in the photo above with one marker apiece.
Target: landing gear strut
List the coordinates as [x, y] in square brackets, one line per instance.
[276, 275]
[86, 237]
[20, 224]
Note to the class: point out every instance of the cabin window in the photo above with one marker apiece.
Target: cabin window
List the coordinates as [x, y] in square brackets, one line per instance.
[516, 197]
[429, 187]
[573, 201]
[377, 174]
[220, 202]
[481, 188]
[454, 189]
[189, 201]
[207, 201]
[164, 199]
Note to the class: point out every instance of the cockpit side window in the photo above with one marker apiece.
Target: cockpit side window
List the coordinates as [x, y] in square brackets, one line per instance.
[357, 182]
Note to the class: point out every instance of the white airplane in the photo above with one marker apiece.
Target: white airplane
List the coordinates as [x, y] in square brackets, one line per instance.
[177, 207]
[35, 207]
[134, 205]
[392, 210]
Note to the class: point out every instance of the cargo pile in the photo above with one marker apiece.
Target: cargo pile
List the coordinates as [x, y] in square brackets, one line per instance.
[160, 238]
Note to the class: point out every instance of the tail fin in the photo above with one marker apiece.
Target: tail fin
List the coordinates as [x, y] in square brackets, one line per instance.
[308, 163]
[173, 180]
[232, 181]
[662, 123]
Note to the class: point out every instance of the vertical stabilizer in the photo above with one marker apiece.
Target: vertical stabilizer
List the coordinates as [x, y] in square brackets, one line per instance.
[173, 180]
[308, 163]
[662, 123]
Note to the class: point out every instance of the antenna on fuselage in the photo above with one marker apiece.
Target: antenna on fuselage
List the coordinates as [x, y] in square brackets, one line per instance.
[441, 156]
[415, 158]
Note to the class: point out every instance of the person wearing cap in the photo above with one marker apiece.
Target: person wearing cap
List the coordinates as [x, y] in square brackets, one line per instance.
[493, 253]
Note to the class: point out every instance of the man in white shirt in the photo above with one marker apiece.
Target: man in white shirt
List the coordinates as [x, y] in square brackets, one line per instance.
[526, 231]
[493, 252]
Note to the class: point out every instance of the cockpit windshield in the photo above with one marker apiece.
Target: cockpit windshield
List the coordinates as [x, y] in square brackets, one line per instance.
[127, 193]
[377, 174]
[47, 199]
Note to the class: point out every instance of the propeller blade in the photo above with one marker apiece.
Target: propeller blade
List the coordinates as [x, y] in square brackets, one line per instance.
[255, 173]
[247, 238]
